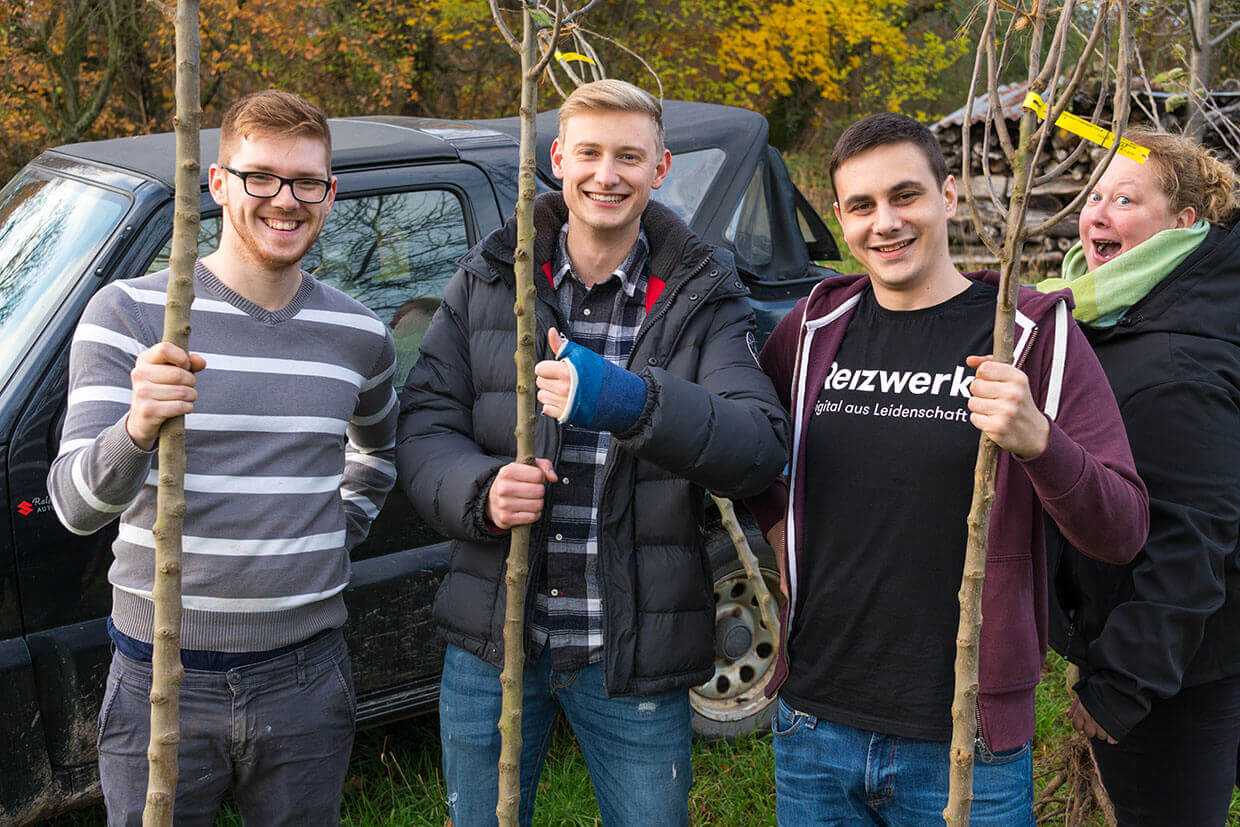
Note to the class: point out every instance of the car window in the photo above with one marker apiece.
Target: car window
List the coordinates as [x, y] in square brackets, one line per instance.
[691, 175]
[750, 228]
[393, 252]
[50, 228]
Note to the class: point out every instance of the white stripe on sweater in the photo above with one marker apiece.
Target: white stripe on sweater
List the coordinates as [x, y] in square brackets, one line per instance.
[258, 423]
[281, 367]
[101, 393]
[355, 321]
[225, 484]
[104, 336]
[243, 604]
[384, 466]
[239, 548]
[87, 495]
[368, 508]
[362, 421]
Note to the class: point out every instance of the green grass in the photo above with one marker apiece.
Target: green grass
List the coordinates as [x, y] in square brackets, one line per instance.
[394, 778]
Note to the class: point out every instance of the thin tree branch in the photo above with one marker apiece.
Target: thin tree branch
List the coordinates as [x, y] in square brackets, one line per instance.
[632, 54]
[1121, 107]
[167, 11]
[1226, 33]
[966, 144]
[512, 42]
[538, 67]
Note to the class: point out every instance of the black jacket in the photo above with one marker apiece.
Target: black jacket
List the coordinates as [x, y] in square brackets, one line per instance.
[1170, 618]
[711, 421]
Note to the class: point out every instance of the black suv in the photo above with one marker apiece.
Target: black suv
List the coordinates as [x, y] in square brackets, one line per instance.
[414, 196]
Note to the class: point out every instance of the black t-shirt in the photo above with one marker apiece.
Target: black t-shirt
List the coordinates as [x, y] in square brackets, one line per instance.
[888, 483]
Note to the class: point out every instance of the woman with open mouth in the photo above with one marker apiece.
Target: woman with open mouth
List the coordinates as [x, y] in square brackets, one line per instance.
[1156, 281]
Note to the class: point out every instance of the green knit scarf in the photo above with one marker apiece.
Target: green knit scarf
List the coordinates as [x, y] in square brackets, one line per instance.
[1103, 296]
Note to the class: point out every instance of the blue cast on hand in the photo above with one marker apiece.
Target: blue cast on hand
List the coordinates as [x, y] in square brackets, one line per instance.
[602, 396]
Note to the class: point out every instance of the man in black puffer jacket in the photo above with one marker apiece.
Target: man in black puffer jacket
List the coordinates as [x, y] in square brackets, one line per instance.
[668, 401]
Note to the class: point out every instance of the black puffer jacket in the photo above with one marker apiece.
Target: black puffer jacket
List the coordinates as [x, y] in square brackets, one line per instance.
[711, 421]
[1170, 618]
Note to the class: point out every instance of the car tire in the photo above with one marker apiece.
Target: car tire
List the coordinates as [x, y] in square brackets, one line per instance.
[733, 704]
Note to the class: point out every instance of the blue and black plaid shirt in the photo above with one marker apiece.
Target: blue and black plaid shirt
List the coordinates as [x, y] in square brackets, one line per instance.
[568, 606]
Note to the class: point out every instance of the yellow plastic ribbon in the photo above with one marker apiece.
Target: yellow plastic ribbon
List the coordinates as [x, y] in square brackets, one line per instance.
[572, 56]
[1087, 130]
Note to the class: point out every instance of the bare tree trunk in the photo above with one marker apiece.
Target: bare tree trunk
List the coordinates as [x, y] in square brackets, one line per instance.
[1044, 77]
[1200, 52]
[518, 550]
[509, 801]
[170, 502]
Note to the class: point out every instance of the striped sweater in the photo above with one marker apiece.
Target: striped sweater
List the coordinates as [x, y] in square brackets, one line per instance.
[290, 452]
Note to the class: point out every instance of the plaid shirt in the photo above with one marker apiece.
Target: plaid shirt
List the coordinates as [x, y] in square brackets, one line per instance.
[568, 606]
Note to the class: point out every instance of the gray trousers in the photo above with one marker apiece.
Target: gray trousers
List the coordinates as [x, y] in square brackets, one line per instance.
[279, 733]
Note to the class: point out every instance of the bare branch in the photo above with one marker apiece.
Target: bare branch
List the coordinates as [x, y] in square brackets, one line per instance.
[571, 16]
[538, 67]
[983, 232]
[1121, 105]
[1152, 111]
[1192, 24]
[163, 8]
[1091, 43]
[993, 65]
[658, 81]
[1226, 33]
[512, 42]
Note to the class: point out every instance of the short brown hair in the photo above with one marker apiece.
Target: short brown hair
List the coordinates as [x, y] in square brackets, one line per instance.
[882, 129]
[273, 112]
[609, 95]
[1190, 175]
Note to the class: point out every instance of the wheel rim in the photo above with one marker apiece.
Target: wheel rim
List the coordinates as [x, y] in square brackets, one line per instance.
[736, 690]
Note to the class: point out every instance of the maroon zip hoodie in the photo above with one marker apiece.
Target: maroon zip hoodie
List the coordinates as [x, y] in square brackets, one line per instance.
[1085, 480]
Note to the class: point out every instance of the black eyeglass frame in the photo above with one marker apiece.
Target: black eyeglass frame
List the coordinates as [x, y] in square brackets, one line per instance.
[290, 182]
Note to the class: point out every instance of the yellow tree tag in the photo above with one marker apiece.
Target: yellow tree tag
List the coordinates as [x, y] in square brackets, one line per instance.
[1088, 131]
[562, 56]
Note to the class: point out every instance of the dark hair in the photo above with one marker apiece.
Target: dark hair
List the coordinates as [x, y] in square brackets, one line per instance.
[886, 128]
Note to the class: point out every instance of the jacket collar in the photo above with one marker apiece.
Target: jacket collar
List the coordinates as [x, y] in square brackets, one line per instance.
[830, 294]
[675, 250]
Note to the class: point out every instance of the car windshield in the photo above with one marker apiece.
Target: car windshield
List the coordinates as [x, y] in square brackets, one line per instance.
[50, 228]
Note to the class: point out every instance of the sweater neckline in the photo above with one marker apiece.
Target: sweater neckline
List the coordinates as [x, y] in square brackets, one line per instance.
[258, 312]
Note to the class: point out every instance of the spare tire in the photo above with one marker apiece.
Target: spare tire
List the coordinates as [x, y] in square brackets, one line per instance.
[733, 704]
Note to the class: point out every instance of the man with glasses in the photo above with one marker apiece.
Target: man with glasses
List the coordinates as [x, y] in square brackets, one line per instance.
[290, 428]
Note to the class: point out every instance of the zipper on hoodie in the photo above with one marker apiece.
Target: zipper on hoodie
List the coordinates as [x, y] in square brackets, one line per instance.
[1024, 354]
[979, 742]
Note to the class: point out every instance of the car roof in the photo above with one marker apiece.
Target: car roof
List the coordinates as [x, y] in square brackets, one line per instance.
[356, 142]
[689, 125]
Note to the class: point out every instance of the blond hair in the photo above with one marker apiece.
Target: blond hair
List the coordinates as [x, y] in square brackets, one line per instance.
[610, 95]
[1191, 175]
[276, 113]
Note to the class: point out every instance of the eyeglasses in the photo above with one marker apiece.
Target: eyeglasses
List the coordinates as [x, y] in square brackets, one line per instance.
[266, 185]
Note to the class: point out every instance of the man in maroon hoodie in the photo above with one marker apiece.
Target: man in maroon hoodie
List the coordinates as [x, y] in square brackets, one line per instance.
[886, 379]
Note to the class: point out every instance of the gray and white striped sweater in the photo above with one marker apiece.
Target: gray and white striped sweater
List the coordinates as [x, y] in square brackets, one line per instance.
[290, 454]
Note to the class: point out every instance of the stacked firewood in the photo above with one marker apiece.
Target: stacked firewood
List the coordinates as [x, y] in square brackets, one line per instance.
[1042, 256]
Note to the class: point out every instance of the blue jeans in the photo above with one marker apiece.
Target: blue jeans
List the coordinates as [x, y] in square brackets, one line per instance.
[826, 773]
[637, 749]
